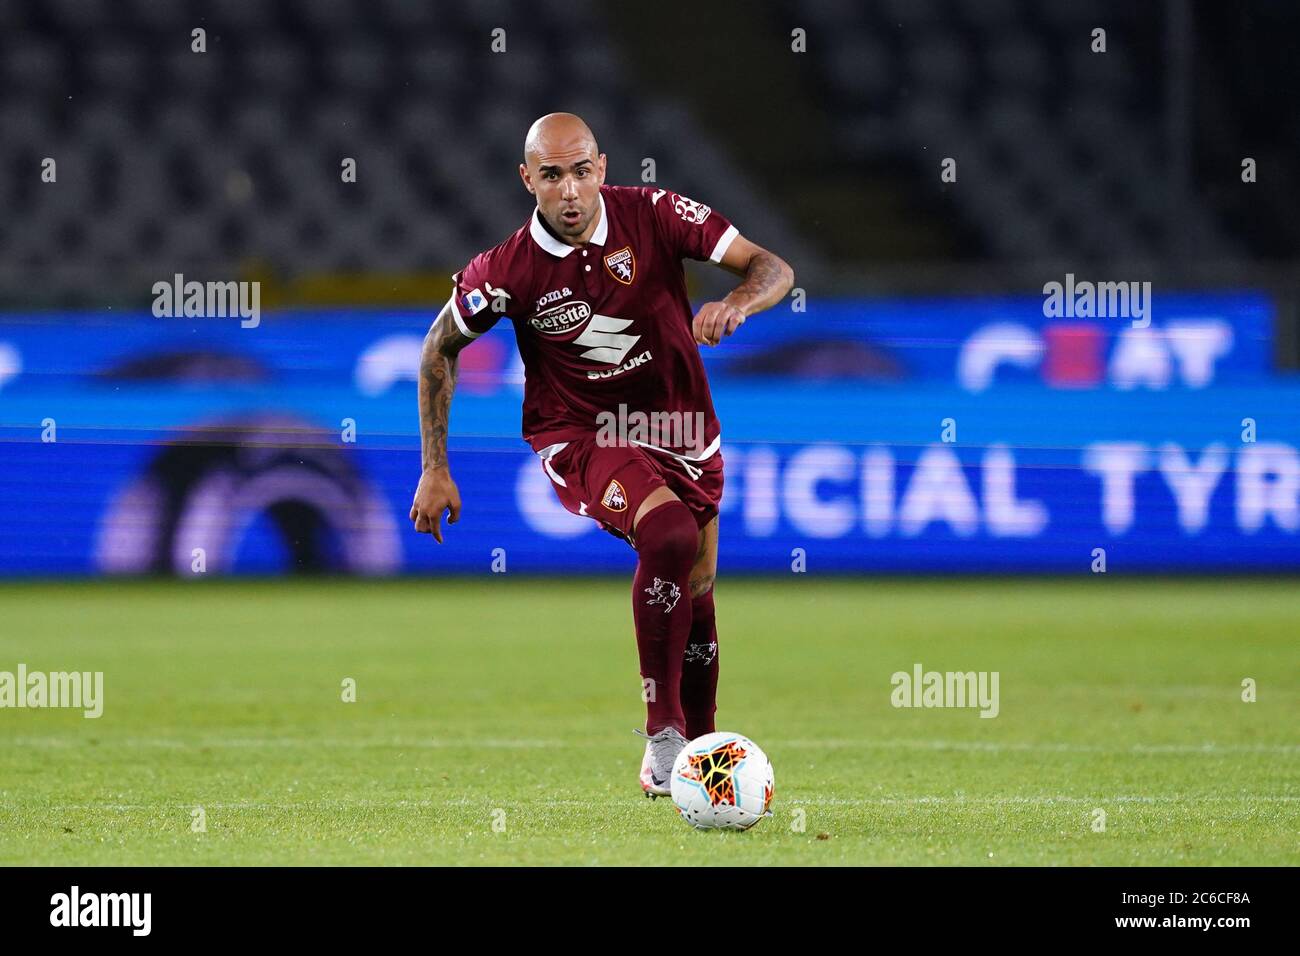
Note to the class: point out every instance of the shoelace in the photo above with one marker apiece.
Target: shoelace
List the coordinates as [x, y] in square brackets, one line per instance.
[662, 735]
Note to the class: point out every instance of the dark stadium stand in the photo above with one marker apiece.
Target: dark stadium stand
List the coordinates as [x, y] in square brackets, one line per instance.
[229, 160]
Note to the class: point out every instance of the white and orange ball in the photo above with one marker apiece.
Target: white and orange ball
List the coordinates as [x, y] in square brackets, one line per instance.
[722, 781]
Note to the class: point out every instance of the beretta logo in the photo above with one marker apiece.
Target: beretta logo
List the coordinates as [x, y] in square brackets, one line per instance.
[561, 318]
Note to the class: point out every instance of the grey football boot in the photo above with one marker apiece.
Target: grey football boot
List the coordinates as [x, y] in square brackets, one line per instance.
[661, 752]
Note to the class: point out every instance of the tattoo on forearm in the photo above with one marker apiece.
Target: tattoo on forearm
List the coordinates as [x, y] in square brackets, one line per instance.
[438, 363]
[766, 281]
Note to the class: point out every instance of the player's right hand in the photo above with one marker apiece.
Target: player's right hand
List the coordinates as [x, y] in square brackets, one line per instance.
[435, 494]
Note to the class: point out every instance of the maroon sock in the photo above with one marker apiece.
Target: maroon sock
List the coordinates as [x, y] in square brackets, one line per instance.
[666, 541]
[700, 669]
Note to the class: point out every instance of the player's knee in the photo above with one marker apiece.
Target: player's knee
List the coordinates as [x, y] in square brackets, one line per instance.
[652, 501]
[668, 534]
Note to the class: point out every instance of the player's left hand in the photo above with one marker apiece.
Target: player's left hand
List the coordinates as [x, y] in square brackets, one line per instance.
[716, 320]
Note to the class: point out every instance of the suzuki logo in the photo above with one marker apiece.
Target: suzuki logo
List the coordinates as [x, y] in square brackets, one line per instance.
[603, 341]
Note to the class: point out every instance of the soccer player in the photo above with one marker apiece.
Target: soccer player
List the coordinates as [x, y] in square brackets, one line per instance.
[594, 286]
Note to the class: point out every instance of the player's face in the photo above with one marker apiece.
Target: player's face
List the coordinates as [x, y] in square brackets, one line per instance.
[566, 181]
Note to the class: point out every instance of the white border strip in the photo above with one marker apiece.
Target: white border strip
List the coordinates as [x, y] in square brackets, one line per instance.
[702, 456]
[546, 454]
[460, 323]
[724, 243]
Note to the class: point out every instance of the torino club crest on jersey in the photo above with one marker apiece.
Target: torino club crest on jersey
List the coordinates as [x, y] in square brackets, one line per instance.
[622, 265]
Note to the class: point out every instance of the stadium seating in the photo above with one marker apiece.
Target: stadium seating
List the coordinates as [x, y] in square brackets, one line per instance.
[1062, 143]
[220, 162]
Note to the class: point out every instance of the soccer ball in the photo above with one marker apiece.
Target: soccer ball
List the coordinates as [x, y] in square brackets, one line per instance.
[722, 781]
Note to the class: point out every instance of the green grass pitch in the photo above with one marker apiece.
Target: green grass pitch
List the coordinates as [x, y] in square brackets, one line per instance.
[493, 723]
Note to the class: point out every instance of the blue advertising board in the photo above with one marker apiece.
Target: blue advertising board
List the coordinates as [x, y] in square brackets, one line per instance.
[134, 479]
[975, 343]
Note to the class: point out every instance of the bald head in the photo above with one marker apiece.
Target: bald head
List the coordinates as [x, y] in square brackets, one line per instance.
[558, 133]
[564, 169]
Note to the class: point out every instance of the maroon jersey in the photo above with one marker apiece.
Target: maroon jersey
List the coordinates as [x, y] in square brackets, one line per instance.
[606, 328]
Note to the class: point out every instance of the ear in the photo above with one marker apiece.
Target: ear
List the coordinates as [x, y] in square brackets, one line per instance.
[600, 169]
[528, 181]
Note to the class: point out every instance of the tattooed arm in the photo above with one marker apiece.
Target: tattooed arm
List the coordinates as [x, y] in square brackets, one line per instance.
[436, 492]
[768, 278]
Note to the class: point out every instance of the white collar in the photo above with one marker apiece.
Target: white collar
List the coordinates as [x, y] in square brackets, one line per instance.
[557, 248]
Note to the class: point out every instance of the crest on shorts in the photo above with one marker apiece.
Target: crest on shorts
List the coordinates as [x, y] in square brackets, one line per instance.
[622, 265]
[615, 498]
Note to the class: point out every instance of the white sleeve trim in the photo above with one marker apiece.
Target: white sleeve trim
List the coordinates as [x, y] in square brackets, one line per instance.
[724, 243]
[460, 323]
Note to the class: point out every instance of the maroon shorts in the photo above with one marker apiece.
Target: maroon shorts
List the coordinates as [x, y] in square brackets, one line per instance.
[608, 484]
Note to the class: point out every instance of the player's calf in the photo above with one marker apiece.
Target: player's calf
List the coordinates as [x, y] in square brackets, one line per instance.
[666, 543]
[699, 687]
[700, 663]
